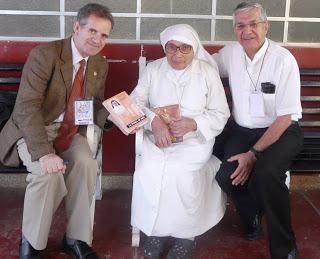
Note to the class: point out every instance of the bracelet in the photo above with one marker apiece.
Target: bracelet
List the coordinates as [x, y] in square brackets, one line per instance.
[255, 152]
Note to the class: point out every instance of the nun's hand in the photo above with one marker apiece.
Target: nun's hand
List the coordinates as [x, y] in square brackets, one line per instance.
[181, 126]
[161, 133]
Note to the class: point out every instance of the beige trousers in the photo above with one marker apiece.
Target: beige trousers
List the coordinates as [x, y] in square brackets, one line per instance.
[45, 192]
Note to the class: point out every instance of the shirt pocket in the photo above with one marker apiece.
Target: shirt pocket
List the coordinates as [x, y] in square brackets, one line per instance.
[269, 101]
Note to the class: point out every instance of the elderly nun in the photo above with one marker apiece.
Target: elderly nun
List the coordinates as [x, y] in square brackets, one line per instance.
[174, 190]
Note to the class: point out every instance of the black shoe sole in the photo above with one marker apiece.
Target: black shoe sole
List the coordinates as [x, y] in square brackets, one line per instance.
[252, 237]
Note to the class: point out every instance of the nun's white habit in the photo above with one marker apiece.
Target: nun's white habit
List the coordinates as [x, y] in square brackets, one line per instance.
[174, 190]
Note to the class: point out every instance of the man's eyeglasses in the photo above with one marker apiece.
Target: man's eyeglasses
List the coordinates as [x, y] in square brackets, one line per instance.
[184, 48]
[252, 25]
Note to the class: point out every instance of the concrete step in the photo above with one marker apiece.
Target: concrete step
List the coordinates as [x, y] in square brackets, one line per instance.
[120, 181]
[109, 182]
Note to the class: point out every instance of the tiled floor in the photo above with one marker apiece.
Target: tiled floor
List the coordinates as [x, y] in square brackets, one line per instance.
[112, 232]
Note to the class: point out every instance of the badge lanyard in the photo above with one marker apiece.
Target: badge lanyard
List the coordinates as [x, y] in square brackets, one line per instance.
[256, 98]
[246, 65]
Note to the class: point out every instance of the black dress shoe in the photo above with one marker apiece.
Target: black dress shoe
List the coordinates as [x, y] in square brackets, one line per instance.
[26, 251]
[79, 250]
[253, 231]
[293, 254]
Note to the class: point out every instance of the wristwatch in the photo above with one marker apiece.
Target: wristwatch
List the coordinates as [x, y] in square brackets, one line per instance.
[255, 152]
[108, 125]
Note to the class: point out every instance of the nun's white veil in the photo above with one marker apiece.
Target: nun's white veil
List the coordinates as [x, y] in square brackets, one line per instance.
[186, 34]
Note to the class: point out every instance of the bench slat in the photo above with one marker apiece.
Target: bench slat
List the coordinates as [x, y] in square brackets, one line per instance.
[7, 169]
[310, 148]
[310, 72]
[309, 123]
[305, 166]
[11, 67]
[311, 110]
[309, 83]
[8, 68]
[310, 98]
[9, 80]
[310, 154]
[311, 135]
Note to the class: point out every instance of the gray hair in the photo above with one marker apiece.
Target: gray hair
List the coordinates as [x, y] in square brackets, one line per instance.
[245, 6]
[98, 10]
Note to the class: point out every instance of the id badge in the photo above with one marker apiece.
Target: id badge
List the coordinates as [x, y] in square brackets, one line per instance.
[256, 105]
[83, 112]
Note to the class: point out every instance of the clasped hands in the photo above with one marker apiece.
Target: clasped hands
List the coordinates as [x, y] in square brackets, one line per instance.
[246, 162]
[178, 127]
[52, 163]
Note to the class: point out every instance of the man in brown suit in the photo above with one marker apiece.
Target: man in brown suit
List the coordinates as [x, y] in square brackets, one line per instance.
[45, 88]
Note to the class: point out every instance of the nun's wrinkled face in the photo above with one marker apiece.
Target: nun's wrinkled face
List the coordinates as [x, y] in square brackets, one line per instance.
[179, 54]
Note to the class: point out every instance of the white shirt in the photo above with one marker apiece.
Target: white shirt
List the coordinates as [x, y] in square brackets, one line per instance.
[279, 68]
[76, 58]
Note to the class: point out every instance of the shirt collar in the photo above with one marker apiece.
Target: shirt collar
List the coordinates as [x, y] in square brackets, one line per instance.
[76, 56]
[260, 52]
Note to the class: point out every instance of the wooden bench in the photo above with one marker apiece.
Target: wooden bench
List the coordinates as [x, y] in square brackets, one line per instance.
[9, 84]
[308, 161]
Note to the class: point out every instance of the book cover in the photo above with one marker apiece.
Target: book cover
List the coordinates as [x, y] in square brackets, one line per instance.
[125, 112]
[166, 113]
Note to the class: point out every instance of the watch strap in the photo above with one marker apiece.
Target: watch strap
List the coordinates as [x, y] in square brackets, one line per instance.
[255, 152]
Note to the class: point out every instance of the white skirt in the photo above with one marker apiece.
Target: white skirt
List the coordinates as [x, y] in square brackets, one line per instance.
[175, 192]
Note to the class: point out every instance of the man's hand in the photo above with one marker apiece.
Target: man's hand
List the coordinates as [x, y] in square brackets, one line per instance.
[52, 163]
[161, 133]
[246, 162]
[183, 125]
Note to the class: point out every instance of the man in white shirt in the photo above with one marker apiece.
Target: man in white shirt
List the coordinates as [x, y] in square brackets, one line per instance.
[265, 135]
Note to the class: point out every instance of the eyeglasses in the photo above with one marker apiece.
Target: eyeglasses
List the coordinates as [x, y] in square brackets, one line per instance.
[184, 48]
[252, 25]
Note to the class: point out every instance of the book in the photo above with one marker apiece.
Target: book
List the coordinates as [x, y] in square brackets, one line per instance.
[166, 113]
[125, 113]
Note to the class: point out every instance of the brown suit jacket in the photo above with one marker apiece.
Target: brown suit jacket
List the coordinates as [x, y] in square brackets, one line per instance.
[45, 87]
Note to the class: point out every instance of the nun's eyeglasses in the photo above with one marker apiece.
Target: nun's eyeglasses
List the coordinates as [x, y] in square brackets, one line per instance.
[184, 48]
